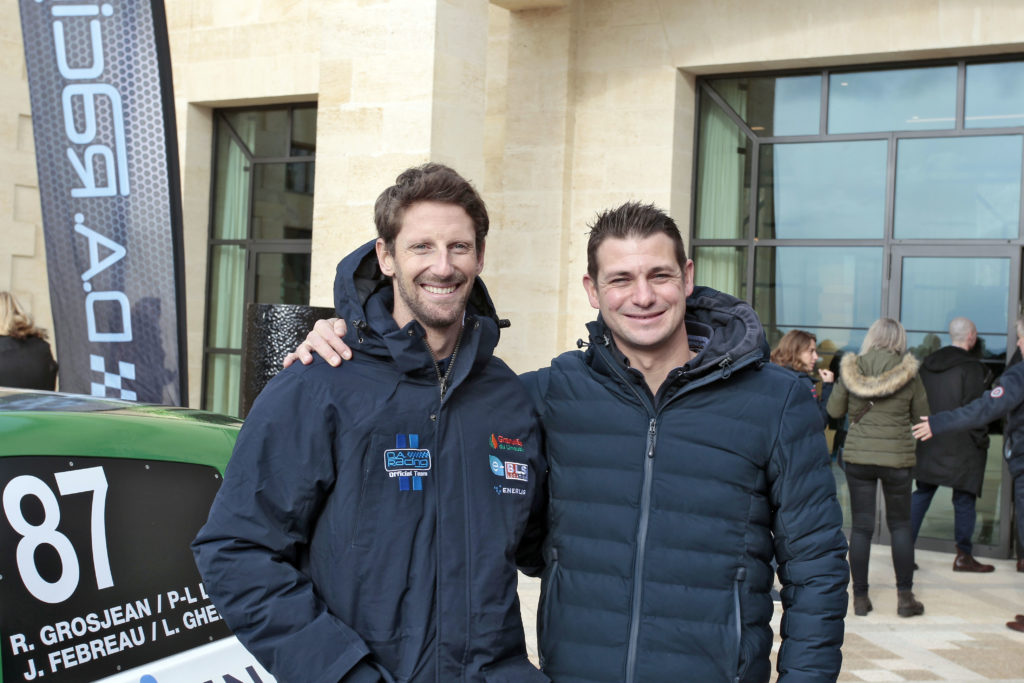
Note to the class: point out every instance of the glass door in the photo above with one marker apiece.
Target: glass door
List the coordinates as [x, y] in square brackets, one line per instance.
[929, 287]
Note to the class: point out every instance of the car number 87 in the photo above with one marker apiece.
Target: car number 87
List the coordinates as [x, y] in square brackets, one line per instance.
[46, 533]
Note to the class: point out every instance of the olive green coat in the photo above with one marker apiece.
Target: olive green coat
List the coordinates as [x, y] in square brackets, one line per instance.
[882, 435]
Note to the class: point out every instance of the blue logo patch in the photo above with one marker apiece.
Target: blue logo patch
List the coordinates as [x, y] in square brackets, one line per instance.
[497, 467]
[407, 462]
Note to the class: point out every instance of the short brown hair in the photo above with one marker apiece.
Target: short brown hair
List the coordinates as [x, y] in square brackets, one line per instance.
[791, 346]
[632, 219]
[430, 182]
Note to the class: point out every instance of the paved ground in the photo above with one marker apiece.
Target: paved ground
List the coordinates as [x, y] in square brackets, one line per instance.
[961, 636]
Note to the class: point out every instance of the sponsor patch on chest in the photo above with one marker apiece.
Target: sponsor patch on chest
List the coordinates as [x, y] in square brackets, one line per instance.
[509, 470]
[407, 462]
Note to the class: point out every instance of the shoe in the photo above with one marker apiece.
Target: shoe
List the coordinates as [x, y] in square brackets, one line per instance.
[908, 606]
[1020, 565]
[967, 563]
[861, 605]
[1015, 625]
[1020, 618]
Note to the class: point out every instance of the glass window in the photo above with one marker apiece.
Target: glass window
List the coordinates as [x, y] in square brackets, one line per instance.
[786, 105]
[282, 279]
[836, 292]
[723, 164]
[822, 190]
[896, 99]
[278, 212]
[231, 191]
[260, 232]
[266, 132]
[722, 268]
[934, 290]
[227, 294]
[958, 188]
[995, 95]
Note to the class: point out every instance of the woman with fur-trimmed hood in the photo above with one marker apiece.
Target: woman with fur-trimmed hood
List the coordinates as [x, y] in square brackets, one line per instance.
[880, 390]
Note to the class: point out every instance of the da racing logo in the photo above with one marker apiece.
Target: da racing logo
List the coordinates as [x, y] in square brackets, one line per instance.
[407, 462]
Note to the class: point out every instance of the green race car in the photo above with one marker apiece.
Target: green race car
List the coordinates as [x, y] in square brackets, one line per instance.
[101, 499]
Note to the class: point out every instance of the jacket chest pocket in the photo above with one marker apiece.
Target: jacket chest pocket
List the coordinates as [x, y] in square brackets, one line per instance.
[396, 476]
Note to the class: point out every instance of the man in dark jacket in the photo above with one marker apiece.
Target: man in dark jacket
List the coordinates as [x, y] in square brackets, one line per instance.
[952, 378]
[681, 463]
[1005, 400]
[370, 517]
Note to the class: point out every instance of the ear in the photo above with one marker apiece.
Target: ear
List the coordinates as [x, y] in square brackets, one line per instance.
[385, 260]
[591, 287]
[688, 277]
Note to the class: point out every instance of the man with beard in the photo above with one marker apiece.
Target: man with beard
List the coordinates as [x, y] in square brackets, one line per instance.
[682, 463]
[370, 517]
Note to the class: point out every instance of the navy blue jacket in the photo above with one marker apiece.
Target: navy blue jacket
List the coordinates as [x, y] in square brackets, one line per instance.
[367, 531]
[1005, 400]
[666, 512]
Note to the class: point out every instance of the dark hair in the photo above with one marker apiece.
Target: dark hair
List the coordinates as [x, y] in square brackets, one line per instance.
[429, 182]
[792, 344]
[632, 219]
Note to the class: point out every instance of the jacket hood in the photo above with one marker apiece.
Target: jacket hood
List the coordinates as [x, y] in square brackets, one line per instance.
[877, 373]
[946, 358]
[364, 297]
[723, 329]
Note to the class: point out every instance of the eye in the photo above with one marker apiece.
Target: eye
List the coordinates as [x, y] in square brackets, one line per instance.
[462, 248]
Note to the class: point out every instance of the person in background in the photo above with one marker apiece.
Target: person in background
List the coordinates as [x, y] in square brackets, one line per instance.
[798, 351]
[881, 391]
[1005, 400]
[953, 378]
[26, 361]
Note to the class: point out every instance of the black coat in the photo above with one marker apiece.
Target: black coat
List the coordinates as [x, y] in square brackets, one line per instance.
[27, 363]
[953, 378]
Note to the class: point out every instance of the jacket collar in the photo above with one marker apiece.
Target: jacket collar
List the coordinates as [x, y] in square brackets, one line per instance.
[897, 373]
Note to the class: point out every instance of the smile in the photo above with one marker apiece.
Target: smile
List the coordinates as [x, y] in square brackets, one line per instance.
[440, 290]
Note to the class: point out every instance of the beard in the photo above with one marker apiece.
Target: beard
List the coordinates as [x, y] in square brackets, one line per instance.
[430, 314]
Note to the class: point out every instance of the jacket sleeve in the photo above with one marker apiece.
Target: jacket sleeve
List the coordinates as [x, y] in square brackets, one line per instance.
[918, 401]
[838, 403]
[529, 554]
[809, 545]
[991, 405]
[250, 551]
[826, 393]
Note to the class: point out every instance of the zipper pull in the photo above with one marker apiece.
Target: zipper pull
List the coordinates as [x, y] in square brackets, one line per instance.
[651, 433]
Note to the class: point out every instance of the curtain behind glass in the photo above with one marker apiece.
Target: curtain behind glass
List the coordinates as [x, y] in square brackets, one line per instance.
[227, 288]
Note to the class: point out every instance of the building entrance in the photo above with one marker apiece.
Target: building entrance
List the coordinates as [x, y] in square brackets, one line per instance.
[929, 286]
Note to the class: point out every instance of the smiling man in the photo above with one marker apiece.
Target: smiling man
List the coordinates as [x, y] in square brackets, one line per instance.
[370, 517]
[681, 464]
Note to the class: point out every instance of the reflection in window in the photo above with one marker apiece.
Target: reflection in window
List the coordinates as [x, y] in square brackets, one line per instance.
[958, 188]
[834, 290]
[935, 290]
[822, 190]
[722, 268]
[722, 162]
[995, 95]
[896, 99]
[282, 279]
[787, 105]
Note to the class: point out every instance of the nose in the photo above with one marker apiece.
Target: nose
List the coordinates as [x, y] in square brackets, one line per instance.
[442, 266]
[643, 293]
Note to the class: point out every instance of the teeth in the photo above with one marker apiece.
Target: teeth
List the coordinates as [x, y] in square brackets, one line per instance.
[439, 290]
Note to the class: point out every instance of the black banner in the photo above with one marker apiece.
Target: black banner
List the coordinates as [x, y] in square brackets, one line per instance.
[106, 152]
